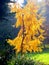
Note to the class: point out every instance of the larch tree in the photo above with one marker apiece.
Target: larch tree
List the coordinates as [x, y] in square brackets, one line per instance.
[30, 36]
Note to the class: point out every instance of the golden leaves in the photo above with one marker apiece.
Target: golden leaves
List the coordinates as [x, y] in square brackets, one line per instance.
[30, 28]
[16, 43]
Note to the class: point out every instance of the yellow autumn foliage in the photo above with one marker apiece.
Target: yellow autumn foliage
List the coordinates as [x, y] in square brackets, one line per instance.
[30, 36]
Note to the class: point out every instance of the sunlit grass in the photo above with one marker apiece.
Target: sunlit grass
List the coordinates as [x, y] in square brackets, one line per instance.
[41, 57]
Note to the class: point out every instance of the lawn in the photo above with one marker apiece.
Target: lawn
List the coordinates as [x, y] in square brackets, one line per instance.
[42, 57]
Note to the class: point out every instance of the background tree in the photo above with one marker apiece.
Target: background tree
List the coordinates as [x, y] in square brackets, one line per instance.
[30, 36]
[6, 18]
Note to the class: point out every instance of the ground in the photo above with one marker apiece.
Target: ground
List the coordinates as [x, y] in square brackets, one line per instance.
[42, 57]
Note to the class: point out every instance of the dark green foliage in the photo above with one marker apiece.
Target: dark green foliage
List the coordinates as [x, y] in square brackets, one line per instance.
[3, 8]
[6, 21]
[6, 53]
[24, 61]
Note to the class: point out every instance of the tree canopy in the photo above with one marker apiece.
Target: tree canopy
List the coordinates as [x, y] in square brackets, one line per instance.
[30, 36]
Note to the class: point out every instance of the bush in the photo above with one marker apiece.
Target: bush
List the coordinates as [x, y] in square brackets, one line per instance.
[19, 60]
[24, 61]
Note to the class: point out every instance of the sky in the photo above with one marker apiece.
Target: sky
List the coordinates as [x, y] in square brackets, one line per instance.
[39, 0]
[23, 2]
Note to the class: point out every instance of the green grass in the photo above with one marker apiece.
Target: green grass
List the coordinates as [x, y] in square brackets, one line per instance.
[42, 57]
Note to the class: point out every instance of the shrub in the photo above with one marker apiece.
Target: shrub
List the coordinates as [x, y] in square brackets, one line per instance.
[24, 61]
